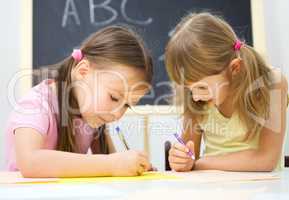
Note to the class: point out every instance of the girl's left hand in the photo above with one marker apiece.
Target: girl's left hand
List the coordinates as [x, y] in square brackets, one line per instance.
[179, 159]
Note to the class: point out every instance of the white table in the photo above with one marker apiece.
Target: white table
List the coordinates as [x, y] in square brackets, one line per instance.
[159, 189]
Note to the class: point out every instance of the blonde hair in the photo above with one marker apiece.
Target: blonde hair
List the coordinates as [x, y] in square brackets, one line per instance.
[202, 45]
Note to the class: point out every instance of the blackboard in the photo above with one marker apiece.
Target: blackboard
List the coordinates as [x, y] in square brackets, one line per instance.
[61, 25]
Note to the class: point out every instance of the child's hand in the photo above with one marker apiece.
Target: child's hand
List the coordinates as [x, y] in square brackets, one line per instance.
[129, 163]
[179, 158]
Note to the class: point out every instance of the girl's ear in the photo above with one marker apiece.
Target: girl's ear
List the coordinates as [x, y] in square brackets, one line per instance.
[80, 70]
[235, 66]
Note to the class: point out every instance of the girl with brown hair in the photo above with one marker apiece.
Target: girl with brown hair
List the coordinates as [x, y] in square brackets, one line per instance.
[60, 119]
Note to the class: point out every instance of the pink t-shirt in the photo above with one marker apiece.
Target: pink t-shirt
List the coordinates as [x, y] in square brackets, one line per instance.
[39, 110]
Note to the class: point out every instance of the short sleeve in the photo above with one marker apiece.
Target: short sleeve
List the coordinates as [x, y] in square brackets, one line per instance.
[30, 113]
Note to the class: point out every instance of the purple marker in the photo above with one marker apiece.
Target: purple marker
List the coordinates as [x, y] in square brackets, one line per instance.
[183, 143]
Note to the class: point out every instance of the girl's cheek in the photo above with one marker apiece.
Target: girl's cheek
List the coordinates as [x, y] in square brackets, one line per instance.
[106, 104]
[96, 100]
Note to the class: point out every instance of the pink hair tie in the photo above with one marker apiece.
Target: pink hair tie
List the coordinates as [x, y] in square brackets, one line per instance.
[77, 55]
[237, 46]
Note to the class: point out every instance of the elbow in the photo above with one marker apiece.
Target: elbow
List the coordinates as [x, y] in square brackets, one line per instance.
[264, 161]
[34, 171]
[268, 163]
[31, 171]
[27, 171]
[29, 168]
[269, 166]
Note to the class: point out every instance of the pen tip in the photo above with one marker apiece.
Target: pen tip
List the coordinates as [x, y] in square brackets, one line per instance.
[117, 129]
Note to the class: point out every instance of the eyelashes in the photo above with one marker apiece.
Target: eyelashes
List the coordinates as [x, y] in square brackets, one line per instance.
[114, 99]
[117, 100]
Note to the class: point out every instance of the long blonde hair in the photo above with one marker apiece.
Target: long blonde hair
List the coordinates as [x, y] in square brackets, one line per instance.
[202, 45]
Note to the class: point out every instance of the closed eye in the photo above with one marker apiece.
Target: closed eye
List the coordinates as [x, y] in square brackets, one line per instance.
[202, 88]
[128, 106]
[116, 100]
[113, 98]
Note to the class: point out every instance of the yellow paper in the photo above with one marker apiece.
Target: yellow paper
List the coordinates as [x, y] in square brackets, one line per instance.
[145, 176]
[16, 178]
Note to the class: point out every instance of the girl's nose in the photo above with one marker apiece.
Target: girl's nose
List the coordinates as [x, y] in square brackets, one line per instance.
[202, 97]
[118, 114]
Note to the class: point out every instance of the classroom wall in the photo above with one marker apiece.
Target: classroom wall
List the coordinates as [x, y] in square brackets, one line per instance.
[10, 57]
[276, 27]
[276, 17]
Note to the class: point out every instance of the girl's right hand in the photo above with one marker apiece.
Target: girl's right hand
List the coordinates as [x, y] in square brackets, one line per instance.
[179, 159]
[129, 163]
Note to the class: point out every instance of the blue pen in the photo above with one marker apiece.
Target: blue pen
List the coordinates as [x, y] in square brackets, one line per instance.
[121, 137]
[183, 143]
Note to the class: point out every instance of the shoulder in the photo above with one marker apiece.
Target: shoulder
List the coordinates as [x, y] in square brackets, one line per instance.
[34, 108]
[39, 96]
[279, 80]
[279, 85]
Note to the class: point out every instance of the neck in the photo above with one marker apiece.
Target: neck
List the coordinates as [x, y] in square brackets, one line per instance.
[227, 107]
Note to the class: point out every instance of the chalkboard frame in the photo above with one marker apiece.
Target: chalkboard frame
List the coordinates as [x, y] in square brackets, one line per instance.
[27, 53]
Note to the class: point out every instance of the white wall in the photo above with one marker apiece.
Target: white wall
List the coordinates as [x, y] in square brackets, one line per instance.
[9, 56]
[277, 39]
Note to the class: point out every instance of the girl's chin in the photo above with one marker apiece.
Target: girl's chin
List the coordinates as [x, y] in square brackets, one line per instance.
[211, 103]
[94, 123]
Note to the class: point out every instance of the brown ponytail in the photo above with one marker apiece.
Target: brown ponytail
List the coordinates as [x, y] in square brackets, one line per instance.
[114, 44]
